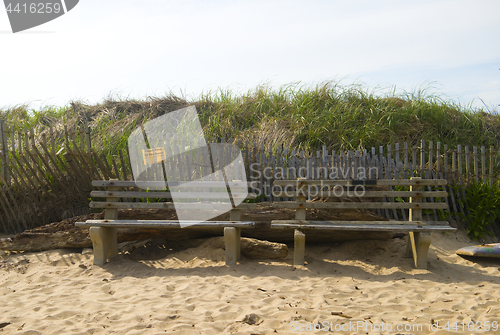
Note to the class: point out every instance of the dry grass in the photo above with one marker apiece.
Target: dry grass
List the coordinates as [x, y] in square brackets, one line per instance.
[293, 116]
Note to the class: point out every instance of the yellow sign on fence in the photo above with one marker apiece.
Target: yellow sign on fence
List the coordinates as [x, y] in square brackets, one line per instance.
[155, 155]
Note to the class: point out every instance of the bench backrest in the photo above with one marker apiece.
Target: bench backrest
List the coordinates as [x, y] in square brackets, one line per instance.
[303, 189]
[126, 194]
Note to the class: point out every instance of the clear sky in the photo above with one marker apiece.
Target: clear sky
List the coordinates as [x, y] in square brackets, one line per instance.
[136, 48]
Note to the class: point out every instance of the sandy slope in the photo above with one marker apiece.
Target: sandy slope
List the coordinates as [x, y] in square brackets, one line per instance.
[365, 284]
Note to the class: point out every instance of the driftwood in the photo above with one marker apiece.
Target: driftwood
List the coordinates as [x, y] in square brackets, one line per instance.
[157, 248]
[64, 234]
[253, 248]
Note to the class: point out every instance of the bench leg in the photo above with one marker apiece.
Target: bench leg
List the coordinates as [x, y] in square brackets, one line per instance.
[232, 241]
[299, 247]
[104, 242]
[418, 247]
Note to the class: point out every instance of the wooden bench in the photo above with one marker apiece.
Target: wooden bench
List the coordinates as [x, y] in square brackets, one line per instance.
[103, 233]
[419, 237]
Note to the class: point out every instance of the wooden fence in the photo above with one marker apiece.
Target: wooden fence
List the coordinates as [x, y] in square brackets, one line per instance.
[46, 176]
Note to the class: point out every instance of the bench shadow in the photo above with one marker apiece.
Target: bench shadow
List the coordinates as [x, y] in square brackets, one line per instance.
[321, 264]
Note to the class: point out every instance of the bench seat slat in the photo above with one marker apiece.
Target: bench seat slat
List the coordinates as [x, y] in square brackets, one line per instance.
[367, 205]
[165, 205]
[164, 224]
[380, 182]
[372, 227]
[375, 223]
[359, 194]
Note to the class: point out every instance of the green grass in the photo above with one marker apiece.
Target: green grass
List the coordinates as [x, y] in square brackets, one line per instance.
[483, 202]
[292, 116]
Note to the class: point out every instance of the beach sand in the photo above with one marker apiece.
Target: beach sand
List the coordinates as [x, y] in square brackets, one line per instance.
[355, 287]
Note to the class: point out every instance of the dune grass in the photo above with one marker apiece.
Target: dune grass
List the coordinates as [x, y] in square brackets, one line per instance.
[292, 116]
[346, 118]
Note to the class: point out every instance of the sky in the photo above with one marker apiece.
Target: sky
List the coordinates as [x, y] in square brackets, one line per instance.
[140, 48]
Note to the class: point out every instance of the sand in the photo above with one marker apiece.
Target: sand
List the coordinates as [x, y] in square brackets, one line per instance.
[357, 287]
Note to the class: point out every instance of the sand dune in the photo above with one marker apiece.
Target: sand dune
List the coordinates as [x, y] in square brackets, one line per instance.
[355, 287]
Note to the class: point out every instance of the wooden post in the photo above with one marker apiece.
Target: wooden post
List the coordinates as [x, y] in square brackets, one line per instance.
[232, 244]
[388, 168]
[299, 236]
[418, 242]
[381, 158]
[300, 213]
[3, 139]
[299, 247]
[422, 155]
[415, 213]
[232, 238]
[104, 239]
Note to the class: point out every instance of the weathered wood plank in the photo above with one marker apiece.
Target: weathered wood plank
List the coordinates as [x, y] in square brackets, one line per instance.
[364, 225]
[379, 182]
[431, 199]
[328, 223]
[367, 205]
[165, 205]
[164, 224]
[168, 195]
[422, 155]
[403, 211]
[126, 183]
[360, 194]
